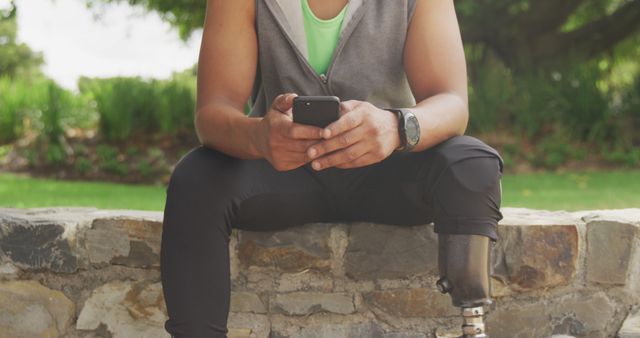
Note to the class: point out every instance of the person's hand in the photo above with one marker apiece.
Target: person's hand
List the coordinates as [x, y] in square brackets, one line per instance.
[363, 135]
[284, 143]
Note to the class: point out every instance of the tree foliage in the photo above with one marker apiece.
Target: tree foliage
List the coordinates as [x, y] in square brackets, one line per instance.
[185, 15]
[520, 32]
[524, 33]
[15, 58]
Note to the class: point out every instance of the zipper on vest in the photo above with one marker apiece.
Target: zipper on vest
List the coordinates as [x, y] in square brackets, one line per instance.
[322, 78]
[345, 35]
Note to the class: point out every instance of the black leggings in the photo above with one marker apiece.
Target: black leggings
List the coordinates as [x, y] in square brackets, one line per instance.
[455, 184]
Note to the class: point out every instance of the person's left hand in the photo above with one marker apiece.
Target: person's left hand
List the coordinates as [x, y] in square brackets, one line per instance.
[363, 135]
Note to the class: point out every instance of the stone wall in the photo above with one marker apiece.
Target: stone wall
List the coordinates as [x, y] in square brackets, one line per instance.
[95, 273]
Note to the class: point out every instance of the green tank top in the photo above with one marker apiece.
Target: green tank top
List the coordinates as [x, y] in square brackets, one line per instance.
[322, 37]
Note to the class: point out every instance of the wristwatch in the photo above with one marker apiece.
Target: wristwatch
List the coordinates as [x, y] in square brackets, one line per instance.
[408, 129]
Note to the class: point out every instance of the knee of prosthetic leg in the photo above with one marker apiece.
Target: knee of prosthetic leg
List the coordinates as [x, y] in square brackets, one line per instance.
[463, 263]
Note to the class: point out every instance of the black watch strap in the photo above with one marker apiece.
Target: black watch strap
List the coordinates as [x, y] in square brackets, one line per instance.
[401, 129]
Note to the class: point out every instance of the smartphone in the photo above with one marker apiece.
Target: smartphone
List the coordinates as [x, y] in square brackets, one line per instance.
[318, 111]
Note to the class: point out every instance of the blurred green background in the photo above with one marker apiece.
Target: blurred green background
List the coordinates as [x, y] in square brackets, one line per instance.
[554, 86]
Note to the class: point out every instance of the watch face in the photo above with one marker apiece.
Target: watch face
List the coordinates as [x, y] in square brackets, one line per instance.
[412, 129]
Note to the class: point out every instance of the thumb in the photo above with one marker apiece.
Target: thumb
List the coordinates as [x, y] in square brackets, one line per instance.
[347, 106]
[283, 102]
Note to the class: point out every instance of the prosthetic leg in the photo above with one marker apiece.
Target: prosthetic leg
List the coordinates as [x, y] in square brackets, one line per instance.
[463, 263]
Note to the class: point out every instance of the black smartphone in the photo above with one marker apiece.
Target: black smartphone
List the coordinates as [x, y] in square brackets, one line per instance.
[318, 111]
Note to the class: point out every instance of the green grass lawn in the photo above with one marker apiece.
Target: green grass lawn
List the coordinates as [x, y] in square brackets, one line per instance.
[574, 191]
[26, 192]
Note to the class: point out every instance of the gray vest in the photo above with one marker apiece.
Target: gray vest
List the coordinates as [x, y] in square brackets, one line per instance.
[367, 64]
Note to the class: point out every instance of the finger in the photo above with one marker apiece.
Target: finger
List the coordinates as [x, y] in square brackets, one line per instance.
[284, 157]
[294, 165]
[362, 161]
[339, 157]
[290, 130]
[289, 114]
[346, 122]
[303, 132]
[294, 157]
[286, 115]
[288, 165]
[283, 102]
[343, 140]
[299, 146]
[347, 106]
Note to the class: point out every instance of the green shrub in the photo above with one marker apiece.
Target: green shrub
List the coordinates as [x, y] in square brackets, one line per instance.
[628, 115]
[510, 153]
[58, 102]
[32, 157]
[175, 107]
[106, 153]
[42, 107]
[552, 154]
[110, 160]
[55, 154]
[585, 110]
[144, 168]
[129, 106]
[81, 149]
[83, 165]
[155, 153]
[13, 101]
[490, 97]
[122, 103]
[562, 112]
[5, 150]
[622, 136]
[10, 123]
[629, 158]
[132, 151]
[115, 167]
[537, 103]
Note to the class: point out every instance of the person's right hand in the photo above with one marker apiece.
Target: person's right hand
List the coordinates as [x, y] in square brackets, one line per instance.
[284, 143]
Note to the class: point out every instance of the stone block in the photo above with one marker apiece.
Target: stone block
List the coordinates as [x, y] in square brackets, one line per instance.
[631, 325]
[535, 252]
[63, 239]
[519, 321]
[609, 251]
[627, 216]
[296, 249]
[321, 280]
[8, 271]
[35, 245]
[239, 333]
[412, 303]
[246, 302]
[406, 335]
[377, 251]
[336, 330]
[127, 309]
[586, 316]
[104, 244]
[131, 241]
[583, 315]
[248, 325]
[448, 334]
[305, 303]
[307, 280]
[28, 309]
